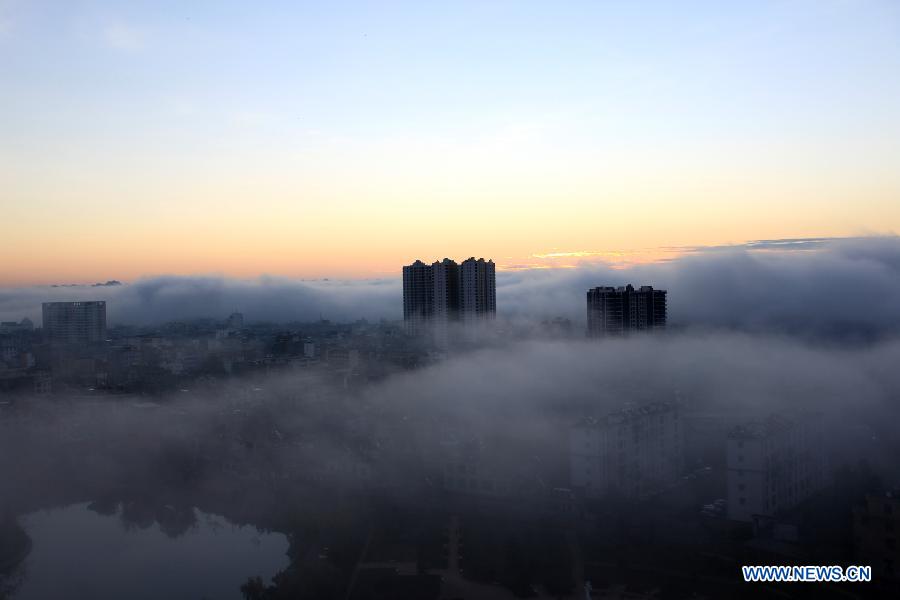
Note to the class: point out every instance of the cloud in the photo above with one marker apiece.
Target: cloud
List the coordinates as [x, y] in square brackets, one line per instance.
[160, 299]
[700, 368]
[521, 395]
[837, 288]
[840, 289]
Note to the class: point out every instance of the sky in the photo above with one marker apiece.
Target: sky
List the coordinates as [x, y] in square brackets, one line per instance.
[339, 139]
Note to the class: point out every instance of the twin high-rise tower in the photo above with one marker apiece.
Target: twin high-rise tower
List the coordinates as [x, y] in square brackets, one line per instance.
[446, 291]
[616, 311]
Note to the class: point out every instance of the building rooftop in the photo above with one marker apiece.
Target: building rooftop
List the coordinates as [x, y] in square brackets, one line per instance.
[624, 288]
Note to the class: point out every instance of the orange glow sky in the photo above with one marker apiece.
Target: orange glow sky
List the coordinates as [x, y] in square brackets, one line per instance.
[317, 144]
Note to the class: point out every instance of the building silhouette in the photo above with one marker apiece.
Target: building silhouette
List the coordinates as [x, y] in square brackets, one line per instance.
[446, 291]
[74, 322]
[418, 294]
[11, 327]
[478, 289]
[621, 310]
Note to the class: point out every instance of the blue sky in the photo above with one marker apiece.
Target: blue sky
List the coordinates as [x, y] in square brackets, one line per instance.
[320, 110]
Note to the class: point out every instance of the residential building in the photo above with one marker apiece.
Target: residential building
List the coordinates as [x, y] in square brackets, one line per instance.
[617, 311]
[478, 289]
[446, 277]
[11, 327]
[75, 322]
[418, 294]
[445, 291]
[634, 452]
[773, 465]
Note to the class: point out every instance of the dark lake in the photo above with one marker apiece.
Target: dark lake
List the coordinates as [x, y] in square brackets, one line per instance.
[78, 552]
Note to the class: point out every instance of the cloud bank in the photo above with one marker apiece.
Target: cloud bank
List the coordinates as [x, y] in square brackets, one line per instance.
[839, 288]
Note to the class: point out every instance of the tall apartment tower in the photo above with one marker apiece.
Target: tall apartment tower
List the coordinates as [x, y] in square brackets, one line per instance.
[774, 465]
[446, 291]
[75, 322]
[478, 289]
[418, 293]
[634, 452]
[616, 311]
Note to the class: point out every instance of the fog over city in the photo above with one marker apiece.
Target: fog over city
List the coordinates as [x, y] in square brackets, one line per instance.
[846, 289]
[499, 300]
[808, 328]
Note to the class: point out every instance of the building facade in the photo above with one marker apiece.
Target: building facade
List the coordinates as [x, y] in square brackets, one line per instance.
[617, 311]
[74, 322]
[418, 294]
[633, 453]
[446, 291]
[445, 275]
[478, 289]
[773, 465]
[12, 327]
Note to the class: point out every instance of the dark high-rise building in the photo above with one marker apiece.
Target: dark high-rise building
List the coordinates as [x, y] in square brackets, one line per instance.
[478, 289]
[418, 292]
[615, 311]
[75, 322]
[446, 291]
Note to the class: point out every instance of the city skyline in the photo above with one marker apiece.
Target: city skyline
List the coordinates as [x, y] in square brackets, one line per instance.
[302, 142]
[504, 299]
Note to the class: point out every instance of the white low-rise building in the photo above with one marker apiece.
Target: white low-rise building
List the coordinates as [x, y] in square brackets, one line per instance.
[773, 465]
[634, 452]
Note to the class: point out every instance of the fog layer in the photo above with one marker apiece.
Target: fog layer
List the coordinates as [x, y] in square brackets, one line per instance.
[821, 288]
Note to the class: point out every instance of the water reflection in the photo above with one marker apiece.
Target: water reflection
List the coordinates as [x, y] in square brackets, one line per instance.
[111, 549]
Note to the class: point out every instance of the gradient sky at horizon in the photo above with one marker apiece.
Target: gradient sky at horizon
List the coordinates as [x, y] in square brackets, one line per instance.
[345, 139]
